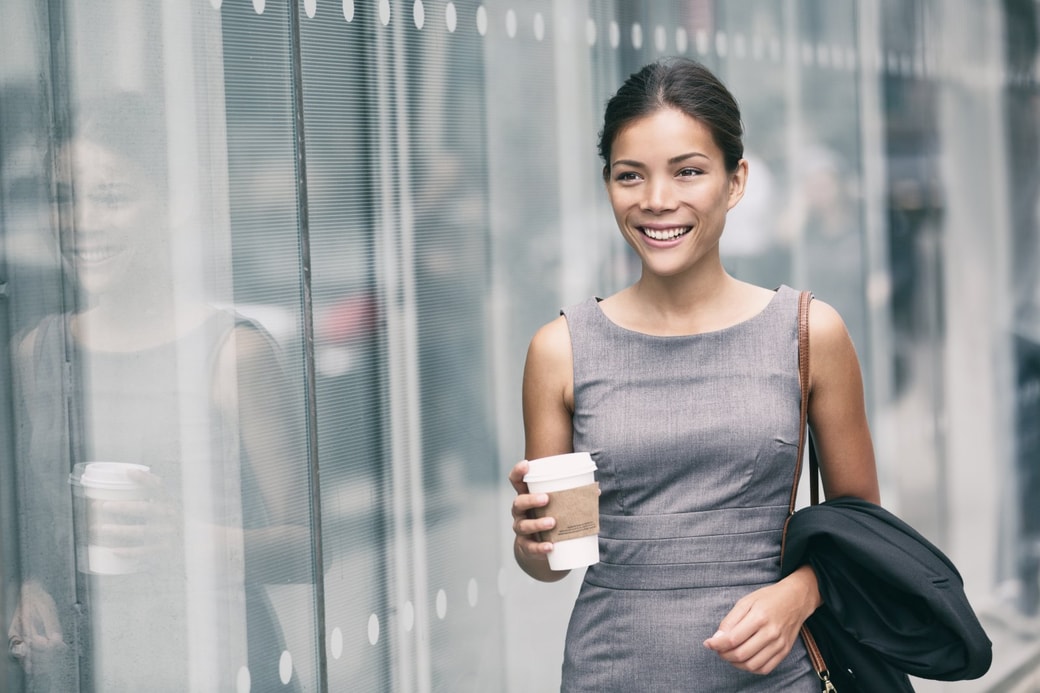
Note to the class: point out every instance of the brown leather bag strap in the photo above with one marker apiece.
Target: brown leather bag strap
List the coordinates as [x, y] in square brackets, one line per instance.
[803, 383]
[814, 494]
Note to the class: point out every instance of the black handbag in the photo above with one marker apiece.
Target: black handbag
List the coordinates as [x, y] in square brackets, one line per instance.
[894, 604]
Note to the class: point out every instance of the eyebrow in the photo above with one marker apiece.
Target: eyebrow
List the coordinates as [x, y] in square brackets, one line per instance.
[674, 160]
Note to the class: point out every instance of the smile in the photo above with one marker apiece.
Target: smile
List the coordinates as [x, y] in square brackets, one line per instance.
[665, 234]
[96, 254]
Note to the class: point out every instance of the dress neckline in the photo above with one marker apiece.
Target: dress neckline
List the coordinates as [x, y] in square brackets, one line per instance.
[735, 326]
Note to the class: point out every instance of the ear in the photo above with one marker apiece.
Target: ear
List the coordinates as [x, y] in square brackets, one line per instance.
[606, 173]
[737, 183]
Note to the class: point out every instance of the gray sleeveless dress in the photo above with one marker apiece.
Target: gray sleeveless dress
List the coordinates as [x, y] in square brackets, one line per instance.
[695, 438]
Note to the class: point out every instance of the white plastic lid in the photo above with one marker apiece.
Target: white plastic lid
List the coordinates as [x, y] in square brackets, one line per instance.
[559, 466]
[110, 475]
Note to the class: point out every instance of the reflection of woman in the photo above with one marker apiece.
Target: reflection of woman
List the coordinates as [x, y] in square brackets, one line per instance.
[684, 387]
[162, 380]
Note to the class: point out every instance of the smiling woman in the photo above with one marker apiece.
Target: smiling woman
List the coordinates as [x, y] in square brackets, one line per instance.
[684, 388]
[669, 185]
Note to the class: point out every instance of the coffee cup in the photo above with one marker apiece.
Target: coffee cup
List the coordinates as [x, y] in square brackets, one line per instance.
[100, 488]
[569, 480]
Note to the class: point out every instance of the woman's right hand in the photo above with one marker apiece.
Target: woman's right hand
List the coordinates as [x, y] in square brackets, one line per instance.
[35, 630]
[529, 546]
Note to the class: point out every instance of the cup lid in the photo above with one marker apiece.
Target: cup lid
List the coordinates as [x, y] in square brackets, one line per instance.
[559, 466]
[110, 475]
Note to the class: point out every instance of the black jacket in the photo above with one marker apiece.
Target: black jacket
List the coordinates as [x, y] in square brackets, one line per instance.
[893, 603]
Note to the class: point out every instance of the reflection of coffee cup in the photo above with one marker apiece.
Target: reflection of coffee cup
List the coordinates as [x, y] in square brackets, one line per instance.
[573, 501]
[100, 488]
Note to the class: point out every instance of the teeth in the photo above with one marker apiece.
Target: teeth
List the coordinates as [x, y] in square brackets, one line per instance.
[666, 234]
[95, 255]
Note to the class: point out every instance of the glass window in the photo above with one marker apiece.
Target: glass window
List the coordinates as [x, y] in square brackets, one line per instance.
[269, 270]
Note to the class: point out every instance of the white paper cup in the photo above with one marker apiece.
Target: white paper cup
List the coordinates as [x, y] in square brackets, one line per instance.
[94, 484]
[573, 473]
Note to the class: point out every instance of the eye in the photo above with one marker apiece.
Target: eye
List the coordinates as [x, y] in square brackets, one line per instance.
[688, 172]
[112, 196]
[627, 177]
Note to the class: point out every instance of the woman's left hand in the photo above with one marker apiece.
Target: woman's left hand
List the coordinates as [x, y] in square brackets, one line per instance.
[761, 628]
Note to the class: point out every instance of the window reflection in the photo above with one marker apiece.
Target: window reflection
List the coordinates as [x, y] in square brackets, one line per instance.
[144, 372]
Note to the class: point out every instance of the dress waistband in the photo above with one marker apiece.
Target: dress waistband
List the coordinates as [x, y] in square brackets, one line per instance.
[711, 548]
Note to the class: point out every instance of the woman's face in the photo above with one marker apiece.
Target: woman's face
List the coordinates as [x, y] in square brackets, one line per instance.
[670, 190]
[111, 221]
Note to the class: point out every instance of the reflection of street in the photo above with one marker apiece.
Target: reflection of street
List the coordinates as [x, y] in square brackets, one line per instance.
[462, 610]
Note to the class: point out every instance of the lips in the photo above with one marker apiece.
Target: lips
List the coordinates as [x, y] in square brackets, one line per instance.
[665, 234]
[94, 253]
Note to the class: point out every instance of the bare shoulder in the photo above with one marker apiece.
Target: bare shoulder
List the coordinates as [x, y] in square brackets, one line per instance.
[827, 330]
[550, 346]
[548, 391]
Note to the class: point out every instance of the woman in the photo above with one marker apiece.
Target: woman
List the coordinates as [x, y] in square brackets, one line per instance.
[156, 376]
[684, 387]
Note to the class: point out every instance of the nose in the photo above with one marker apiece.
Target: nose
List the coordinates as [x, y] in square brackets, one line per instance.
[88, 214]
[658, 195]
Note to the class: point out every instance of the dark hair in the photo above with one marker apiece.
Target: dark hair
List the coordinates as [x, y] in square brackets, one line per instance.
[129, 124]
[682, 84]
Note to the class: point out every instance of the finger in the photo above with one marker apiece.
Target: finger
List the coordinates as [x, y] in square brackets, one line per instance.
[126, 511]
[526, 502]
[725, 639]
[119, 535]
[516, 476]
[534, 548]
[144, 478]
[526, 527]
[756, 657]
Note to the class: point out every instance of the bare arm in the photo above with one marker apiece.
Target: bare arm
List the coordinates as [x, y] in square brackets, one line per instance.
[837, 413]
[548, 400]
[253, 387]
[761, 628]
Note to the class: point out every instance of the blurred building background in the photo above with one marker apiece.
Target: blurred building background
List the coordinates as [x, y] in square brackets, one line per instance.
[400, 192]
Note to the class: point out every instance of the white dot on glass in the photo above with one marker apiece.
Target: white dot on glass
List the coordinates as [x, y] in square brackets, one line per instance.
[384, 12]
[850, 58]
[373, 629]
[837, 56]
[348, 10]
[739, 45]
[259, 6]
[243, 682]
[482, 20]
[336, 643]
[285, 667]
[721, 43]
[311, 7]
[511, 23]
[660, 39]
[822, 56]
[539, 26]
[590, 31]
[681, 40]
[407, 616]
[216, 4]
[702, 41]
[637, 35]
[451, 18]
[807, 54]
[418, 14]
[757, 48]
[615, 34]
[471, 592]
[441, 603]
